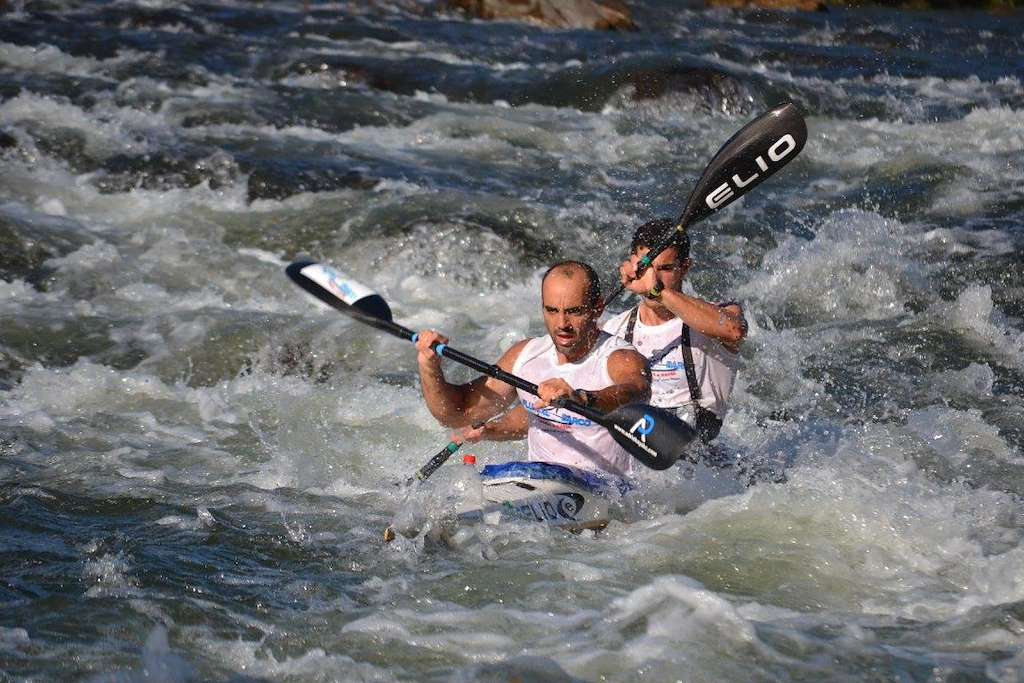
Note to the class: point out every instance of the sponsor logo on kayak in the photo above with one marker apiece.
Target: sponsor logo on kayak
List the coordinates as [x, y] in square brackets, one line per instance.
[561, 506]
[782, 148]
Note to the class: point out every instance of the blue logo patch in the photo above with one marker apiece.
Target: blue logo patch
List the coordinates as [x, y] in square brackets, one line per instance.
[553, 415]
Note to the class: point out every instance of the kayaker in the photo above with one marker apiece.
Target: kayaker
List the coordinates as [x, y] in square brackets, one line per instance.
[575, 360]
[691, 344]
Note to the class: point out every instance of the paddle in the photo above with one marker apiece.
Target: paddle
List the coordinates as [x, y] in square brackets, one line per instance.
[655, 437]
[440, 458]
[746, 160]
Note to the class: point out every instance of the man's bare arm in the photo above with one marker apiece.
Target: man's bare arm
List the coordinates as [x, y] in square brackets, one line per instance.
[724, 323]
[632, 377]
[512, 426]
[460, 405]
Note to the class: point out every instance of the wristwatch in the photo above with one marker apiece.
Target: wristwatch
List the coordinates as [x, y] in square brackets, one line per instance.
[586, 398]
[655, 292]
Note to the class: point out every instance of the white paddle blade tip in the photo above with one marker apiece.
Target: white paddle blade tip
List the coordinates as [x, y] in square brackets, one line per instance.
[338, 290]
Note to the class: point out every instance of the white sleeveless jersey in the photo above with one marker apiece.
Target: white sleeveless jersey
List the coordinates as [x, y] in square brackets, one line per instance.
[715, 366]
[561, 436]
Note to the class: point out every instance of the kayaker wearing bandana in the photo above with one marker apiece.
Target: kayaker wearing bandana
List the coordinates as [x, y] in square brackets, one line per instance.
[691, 344]
[575, 361]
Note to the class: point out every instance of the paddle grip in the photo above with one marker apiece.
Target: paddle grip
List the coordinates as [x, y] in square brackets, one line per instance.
[645, 262]
[435, 462]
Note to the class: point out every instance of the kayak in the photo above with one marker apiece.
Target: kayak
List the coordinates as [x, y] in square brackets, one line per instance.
[544, 493]
[574, 499]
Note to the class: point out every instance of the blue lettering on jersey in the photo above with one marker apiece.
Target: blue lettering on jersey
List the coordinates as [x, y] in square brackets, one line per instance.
[553, 415]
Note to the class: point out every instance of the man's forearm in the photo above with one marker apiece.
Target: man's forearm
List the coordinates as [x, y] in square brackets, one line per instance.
[512, 426]
[705, 317]
[618, 395]
[444, 400]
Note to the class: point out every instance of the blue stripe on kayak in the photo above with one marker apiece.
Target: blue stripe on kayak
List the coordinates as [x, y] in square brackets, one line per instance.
[548, 470]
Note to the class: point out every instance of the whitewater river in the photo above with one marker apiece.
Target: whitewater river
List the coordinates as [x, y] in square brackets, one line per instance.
[197, 459]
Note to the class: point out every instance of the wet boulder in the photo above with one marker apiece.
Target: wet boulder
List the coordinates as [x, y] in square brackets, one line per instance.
[28, 239]
[566, 14]
[164, 171]
[7, 141]
[280, 180]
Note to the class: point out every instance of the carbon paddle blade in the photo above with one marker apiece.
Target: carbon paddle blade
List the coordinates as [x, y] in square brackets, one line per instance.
[339, 291]
[753, 154]
[654, 436]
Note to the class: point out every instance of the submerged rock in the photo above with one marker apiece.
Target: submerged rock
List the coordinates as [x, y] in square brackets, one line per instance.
[7, 141]
[282, 180]
[165, 171]
[586, 14]
[27, 241]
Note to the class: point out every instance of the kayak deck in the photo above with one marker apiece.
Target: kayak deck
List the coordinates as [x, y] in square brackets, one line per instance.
[546, 493]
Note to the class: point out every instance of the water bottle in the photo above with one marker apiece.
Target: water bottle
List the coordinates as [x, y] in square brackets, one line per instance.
[466, 486]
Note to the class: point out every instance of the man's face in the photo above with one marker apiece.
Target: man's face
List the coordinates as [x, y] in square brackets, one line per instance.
[669, 270]
[570, 321]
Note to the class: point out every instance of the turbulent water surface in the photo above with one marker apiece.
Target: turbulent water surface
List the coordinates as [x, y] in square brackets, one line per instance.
[197, 459]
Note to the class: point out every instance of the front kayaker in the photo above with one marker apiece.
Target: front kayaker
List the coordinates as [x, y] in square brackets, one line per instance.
[691, 344]
[575, 361]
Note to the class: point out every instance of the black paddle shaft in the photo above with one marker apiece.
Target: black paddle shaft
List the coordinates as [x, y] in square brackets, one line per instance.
[375, 312]
[489, 369]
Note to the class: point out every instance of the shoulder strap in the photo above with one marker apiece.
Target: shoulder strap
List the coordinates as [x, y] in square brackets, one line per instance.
[631, 324]
[707, 423]
[691, 371]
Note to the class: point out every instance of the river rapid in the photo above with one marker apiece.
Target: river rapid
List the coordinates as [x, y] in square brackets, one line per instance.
[197, 459]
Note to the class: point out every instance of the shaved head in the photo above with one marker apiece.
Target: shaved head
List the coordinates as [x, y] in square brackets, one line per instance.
[571, 300]
[572, 270]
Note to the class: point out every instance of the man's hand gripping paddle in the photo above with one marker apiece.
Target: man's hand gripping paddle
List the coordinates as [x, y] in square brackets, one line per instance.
[746, 160]
[655, 437]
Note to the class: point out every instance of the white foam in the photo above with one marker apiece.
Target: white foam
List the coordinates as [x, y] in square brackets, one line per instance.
[51, 59]
[974, 314]
[110, 576]
[851, 260]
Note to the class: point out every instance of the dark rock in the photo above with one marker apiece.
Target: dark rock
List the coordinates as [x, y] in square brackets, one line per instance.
[565, 14]
[26, 243]
[279, 181]
[67, 144]
[20, 259]
[164, 171]
[10, 374]
[7, 141]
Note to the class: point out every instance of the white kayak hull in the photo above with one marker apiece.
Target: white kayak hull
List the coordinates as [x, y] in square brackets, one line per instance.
[543, 493]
